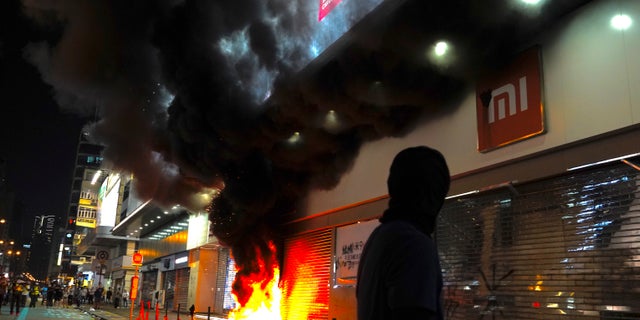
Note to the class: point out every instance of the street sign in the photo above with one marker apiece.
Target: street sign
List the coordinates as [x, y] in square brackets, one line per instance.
[102, 255]
[136, 259]
[133, 293]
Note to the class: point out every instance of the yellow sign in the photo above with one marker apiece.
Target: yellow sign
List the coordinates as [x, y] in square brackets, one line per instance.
[86, 222]
[85, 202]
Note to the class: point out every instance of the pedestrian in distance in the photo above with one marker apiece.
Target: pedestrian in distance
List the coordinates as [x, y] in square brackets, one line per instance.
[33, 295]
[109, 294]
[125, 298]
[97, 296]
[399, 275]
[4, 286]
[16, 297]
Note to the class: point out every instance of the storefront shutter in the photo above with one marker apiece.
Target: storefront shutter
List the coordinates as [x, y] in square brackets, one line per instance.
[562, 248]
[305, 276]
[149, 280]
[182, 288]
[169, 287]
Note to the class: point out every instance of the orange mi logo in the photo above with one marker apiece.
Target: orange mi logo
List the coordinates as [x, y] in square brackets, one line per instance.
[509, 103]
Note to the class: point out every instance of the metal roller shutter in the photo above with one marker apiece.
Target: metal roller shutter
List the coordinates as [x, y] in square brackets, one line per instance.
[182, 288]
[149, 280]
[305, 276]
[562, 248]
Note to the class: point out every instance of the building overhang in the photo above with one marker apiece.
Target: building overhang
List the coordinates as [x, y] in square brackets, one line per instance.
[146, 219]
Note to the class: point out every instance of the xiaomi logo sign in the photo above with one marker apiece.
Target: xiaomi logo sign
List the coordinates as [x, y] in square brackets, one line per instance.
[509, 103]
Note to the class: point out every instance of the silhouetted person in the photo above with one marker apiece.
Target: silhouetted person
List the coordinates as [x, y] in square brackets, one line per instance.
[399, 275]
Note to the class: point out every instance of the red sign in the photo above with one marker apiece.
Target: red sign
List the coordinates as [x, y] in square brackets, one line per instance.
[133, 293]
[509, 103]
[137, 259]
[325, 7]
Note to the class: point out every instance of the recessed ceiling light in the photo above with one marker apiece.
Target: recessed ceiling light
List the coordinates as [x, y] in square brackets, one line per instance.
[441, 48]
[621, 22]
[294, 138]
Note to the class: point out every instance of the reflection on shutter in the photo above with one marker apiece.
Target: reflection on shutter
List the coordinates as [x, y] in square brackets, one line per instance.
[305, 276]
[562, 248]
[149, 280]
[170, 289]
[182, 288]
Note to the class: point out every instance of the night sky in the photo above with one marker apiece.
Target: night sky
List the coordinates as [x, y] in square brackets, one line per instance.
[37, 141]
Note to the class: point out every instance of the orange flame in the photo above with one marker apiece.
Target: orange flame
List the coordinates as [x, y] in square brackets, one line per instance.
[263, 302]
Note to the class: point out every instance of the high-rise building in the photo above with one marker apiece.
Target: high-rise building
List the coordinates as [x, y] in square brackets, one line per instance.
[42, 243]
[82, 205]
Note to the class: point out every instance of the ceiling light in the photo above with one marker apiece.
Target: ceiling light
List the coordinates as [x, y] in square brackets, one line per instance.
[621, 22]
[295, 138]
[151, 221]
[441, 48]
[531, 1]
[331, 121]
[158, 217]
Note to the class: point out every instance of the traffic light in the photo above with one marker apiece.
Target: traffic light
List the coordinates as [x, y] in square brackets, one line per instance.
[72, 222]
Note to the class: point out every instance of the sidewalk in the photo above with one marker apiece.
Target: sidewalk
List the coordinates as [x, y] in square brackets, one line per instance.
[108, 312]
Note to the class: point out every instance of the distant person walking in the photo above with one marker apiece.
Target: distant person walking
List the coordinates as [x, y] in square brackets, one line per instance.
[97, 298]
[33, 295]
[125, 298]
[4, 285]
[399, 275]
[16, 297]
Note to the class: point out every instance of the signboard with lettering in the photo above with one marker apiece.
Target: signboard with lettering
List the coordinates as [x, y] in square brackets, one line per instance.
[133, 293]
[509, 103]
[350, 241]
[325, 7]
[86, 222]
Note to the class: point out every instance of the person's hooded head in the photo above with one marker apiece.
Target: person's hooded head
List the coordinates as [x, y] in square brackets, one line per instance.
[418, 184]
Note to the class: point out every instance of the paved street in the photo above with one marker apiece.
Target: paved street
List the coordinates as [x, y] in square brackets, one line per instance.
[105, 312]
[45, 313]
